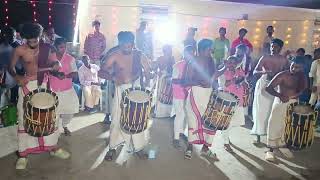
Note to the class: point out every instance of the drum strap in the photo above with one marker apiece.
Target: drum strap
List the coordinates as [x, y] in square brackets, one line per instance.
[44, 50]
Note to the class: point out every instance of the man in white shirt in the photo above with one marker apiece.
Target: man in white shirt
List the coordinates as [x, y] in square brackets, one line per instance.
[88, 76]
[315, 77]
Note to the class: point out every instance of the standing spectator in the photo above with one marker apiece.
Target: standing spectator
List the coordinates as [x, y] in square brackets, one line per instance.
[265, 49]
[7, 45]
[315, 77]
[91, 86]
[221, 47]
[144, 40]
[190, 41]
[95, 43]
[241, 40]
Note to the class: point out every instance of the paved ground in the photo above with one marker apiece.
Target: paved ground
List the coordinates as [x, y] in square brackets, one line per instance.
[88, 147]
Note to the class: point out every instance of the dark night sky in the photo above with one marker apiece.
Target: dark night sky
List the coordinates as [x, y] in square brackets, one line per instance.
[20, 11]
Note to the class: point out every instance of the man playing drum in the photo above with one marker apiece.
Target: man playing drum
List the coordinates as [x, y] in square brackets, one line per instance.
[290, 83]
[180, 94]
[268, 66]
[234, 83]
[31, 53]
[163, 66]
[199, 76]
[125, 67]
[61, 84]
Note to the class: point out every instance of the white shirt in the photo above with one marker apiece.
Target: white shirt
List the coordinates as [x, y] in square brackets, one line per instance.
[315, 72]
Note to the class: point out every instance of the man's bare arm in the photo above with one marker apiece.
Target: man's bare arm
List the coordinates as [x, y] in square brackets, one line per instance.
[259, 68]
[106, 69]
[13, 62]
[145, 62]
[273, 84]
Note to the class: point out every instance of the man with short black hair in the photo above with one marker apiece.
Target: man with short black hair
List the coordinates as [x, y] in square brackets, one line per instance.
[95, 43]
[241, 40]
[265, 49]
[267, 67]
[35, 55]
[221, 47]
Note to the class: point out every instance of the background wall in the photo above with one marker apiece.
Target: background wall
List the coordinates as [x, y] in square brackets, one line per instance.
[295, 26]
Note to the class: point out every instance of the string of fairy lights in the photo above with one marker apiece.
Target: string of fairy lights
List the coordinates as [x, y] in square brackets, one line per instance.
[257, 36]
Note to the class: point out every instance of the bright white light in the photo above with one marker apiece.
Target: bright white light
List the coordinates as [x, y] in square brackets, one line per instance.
[80, 12]
[165, 32]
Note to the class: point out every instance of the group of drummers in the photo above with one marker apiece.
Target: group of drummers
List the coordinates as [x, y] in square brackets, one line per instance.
[203, 97]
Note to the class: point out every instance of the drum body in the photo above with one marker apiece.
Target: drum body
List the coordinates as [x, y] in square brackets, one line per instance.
[135, 110]
[40, 112]
[300, 123]
[220, 110]
[165, 94]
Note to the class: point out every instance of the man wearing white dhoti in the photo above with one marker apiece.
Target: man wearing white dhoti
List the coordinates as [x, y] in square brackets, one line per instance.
[268, 66]
[34, 55]
[199, 76]
[291, 84]
[163, 67]
[61, 84]
[126, 66]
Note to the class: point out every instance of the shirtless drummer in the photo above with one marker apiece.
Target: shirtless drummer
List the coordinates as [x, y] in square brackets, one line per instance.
[29, 54]
[268, 66]
[125, 67]
[291, 84]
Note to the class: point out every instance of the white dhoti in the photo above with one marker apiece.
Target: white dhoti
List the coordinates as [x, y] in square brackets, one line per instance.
[28, 144]
[68, 105]
[276, 123]
[108, 94]
[92, 95]
[135, 142]
[196, 105]
[162, 110]
[180, 119]
[236, 120]
[315, 96]
[261, 108]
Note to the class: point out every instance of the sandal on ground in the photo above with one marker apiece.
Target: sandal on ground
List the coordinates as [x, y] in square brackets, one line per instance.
[110, 154]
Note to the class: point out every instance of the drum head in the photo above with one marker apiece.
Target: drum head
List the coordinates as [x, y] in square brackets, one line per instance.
[227, 96]
[138, 96]
[302, 109]
[42, 100]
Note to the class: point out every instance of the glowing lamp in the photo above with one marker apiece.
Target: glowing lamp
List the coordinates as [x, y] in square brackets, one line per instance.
[274, 22]
[259, 23]
[305, 27]
[288, 36]
[258, 29]
[289, 29]
[286, 42]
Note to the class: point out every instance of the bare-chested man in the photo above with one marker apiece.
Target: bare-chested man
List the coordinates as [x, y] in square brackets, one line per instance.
[199, 76]
[268, 66]
[291, 84]
[163, 66]
[125, 67]
[31, 54]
